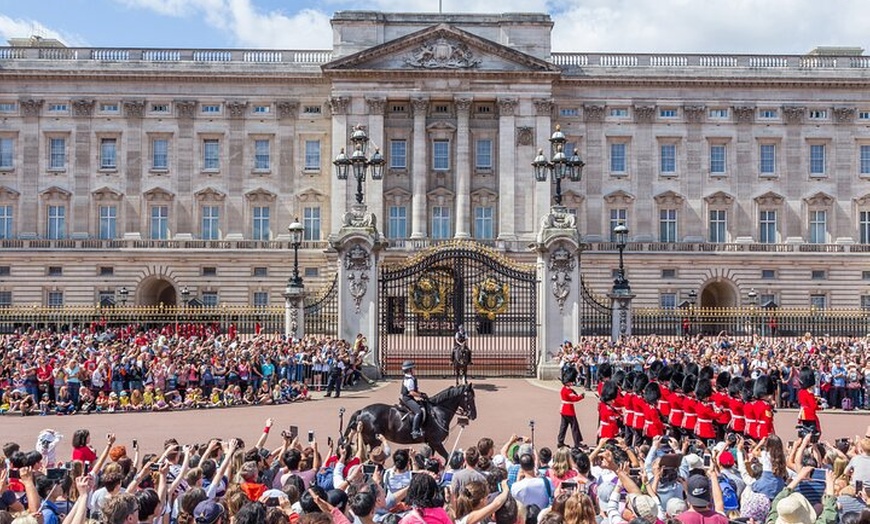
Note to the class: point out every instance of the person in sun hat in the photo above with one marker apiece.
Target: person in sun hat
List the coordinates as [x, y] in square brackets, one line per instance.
[413, 397]
[790, 507]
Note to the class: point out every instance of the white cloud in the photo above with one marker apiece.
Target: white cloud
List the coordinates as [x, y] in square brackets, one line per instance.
[23, 28]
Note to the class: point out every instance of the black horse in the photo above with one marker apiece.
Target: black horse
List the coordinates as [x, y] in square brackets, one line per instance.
[394, 422]
[460, 358]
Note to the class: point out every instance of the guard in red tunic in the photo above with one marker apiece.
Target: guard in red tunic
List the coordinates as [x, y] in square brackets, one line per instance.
[749, 399]
[735, 406]
[705, 411]
[808, 418]
[639, 406]
[765, 389]
[665, 394]
[605, 372]
[675, 418]
[569, 416]
[689, 405]
[652, 420]
[608, 413]
[721, 401]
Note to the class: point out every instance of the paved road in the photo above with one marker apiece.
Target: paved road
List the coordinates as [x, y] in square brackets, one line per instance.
[504, 406]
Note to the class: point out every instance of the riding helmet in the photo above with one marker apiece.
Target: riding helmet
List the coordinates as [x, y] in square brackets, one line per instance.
[408, 365]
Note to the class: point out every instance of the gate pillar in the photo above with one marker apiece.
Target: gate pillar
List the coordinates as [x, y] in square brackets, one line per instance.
[621, 307]
[294, 311]
[358, 244]
[558, 246]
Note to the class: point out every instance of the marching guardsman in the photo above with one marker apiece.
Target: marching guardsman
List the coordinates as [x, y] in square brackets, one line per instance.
[675, 419]
[626, 402]
[808, 418]
[690, 416]
[639, 405]
[652, 420]
[722, 401]
[568, 414]
[735, 406]
[605, 372]
[608, 413]
[664, 403]
[705, 411]
[765, 389]
[748, 394]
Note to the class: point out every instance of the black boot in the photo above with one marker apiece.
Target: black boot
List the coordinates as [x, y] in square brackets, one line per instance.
[415, 426]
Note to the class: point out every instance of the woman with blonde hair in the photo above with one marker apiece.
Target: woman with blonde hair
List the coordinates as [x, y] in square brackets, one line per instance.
[562, 467]
[579, 509]
[471, 506]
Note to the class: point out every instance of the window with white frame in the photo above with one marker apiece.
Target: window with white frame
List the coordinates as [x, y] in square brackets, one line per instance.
[767, 226]
[262, 154]
[7, 152]
[618, 216]
[108, 228]
[718, 162]
[56, 226]
[618, 157]
[440, 222]
[667, 112]
[211, 154]
[210, 109]
[768, 114]
[819, 301]
[397, 226]
[483, 223]
[864, 227]
[108, 153]
[261, 110]
[160, 154]
[719, 113]
[864, 160]
[864, 115]
[159, 222]
[55, 299]
[311, 223]
[818, 114]
[8, 107]
[260, 299]
[767, 159]
[261, 227]
[668, 301]
[619, 112]
[58, 107]
[6, 222]
[718, 226]
[159, 108]
[210, 222]
[57, 153]
[667, 225]
[210, 299]
[312, 155]
[818, 226]
[483, 154]
[817, 159]
[441, 154]
[398, 154]
[668, 159]
[109, 108]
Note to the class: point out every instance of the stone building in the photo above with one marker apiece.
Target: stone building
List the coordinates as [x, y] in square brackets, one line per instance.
[155, 169]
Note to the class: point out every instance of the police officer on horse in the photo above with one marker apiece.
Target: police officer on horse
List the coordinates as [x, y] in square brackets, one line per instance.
[413, 397]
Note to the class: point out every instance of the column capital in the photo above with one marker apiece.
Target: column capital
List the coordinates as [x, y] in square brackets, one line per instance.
[287, 108]
[843, 114]
[793, 114]
[644, 112]
[185, 108]
[463, 103]
[31, 106]
[695, 113]
[507, 106]
[593, 112]
[339, 104]
[543, 106]
[236, 108]
[134, 108]
[744, 114]
[376, 104]
[83, 107]
[420, 106]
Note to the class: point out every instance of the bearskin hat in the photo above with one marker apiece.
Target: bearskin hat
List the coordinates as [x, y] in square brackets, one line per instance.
[654, 369]
[691, 369]
[628, 381]
[748, 390]
[640, 382]
[735, 387]
[618, 377]
[569, 374]
[689, 383]
[723, 379]
[665, 374]
[705, 373]
[605, 371]
[608, 391]
[807, 377]
[763, 387]
[677, 380]
[704, 389]
[652, 394]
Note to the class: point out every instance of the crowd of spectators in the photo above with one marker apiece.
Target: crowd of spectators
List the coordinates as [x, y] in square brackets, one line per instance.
[842, 365]
[127, 368]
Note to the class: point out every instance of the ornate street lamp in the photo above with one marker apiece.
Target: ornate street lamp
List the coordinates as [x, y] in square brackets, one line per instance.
[753, 297]
[185, 295]
[620, 283]
[560, 167]
[693, 298]
[297, 230]
[122, 295]
[359, 162]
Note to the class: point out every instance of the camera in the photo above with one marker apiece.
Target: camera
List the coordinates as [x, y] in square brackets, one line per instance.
[462, 421]
[55, 474]
[310, 435]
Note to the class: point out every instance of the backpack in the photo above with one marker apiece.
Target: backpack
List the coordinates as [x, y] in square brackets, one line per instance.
[729, 494]
[324, 478]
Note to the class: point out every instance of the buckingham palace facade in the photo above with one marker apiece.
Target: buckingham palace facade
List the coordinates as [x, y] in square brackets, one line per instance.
[157, 169]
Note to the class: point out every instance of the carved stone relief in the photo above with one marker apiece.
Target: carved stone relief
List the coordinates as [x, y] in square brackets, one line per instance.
[562, 264]
[357, 263]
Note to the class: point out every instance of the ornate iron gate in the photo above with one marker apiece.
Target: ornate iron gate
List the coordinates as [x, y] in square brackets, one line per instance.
[321, 313]
[596, 316]
[424, 300]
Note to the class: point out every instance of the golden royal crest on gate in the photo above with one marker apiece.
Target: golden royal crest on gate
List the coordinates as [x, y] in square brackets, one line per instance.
[491, 297]
[427, 297]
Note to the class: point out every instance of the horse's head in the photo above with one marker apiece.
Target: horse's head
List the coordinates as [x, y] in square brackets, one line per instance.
[468, 404]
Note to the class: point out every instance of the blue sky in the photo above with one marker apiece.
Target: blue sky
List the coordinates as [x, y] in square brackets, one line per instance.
[746, 26]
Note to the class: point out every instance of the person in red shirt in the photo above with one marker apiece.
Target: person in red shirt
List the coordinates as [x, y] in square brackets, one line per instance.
[652, 420]
[705, 411]
[568, 415]
[808, 418]
[737, 424]
[608, 413]
[689, 406]
[765, 389]
[82, 449]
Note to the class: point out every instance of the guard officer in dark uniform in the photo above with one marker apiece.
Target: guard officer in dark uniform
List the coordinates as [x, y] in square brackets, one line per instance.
[412, 397]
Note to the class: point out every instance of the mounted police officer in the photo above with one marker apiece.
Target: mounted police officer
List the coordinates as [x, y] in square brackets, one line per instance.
[413, 397]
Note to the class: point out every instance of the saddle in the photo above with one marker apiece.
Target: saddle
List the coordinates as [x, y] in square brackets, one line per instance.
[406, 412]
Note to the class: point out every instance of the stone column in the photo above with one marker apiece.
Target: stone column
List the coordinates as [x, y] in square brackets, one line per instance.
[236, 173]
[463, 168]
[558, 246]
[694, 222]
[294, 311]
[285, 142]
[188, 154]
[843, 150]
[374, 190]
[543, 125]
[358, 244]
[745, 174]
[137, 147]
[644, 148]
[32, 168]
[596, 166]
[507, 128]
[795, 152]
[419, 169]
[338, 190]
[80, 201]
[620, 325]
